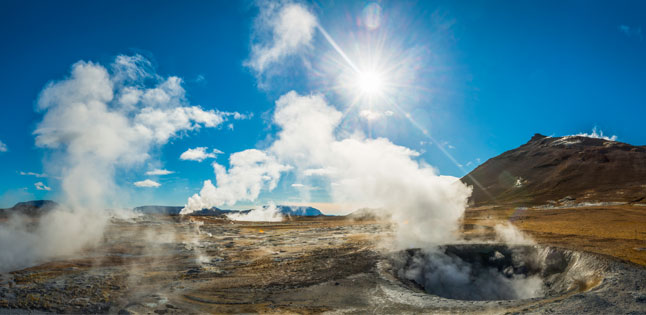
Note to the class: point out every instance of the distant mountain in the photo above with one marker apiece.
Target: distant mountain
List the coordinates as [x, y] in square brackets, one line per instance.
[30, 208]
[210, 212]
[175, 210]
[295, 211]
[298, 211]
[561, 171]
[172, 210]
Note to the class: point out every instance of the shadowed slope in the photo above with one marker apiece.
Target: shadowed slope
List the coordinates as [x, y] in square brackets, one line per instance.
[561, 170]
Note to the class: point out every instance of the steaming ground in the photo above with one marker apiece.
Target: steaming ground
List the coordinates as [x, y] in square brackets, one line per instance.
[172, 264]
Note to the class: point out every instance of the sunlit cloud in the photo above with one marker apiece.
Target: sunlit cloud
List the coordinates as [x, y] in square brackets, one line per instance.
[282, 29]
[370, 114]
[147, 183]
[3, 147]
[318, 171]
[157, 172]
[199, 154]
[41, 186]
[117, 115]
[33, 174]
[304, 187]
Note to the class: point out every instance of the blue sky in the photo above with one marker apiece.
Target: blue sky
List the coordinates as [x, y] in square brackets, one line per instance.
[480, 78]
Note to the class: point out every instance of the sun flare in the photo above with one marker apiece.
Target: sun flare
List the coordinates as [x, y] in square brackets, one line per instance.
[370, 83]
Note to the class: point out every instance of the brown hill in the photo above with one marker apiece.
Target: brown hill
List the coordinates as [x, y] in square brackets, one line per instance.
[561, 171]
[32, 208]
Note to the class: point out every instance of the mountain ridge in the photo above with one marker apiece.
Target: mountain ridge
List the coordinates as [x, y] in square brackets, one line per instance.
[561, 170]
[39, 207]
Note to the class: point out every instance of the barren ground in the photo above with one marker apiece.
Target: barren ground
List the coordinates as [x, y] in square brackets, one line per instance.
[618, 231]
[311, 265]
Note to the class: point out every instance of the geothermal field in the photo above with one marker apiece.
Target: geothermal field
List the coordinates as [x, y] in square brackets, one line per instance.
[322, 156]
[167, 264]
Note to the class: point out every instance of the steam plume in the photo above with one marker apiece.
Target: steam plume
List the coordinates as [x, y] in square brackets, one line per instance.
[97, 121]
[361, 171]
[267, 214]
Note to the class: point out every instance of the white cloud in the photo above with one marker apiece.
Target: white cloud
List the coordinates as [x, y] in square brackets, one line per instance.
[131, 69]
[282, 29]
[3, 147]
[147, 183]
[300, 186]
[317, 171]
[161, 123]
[41, 186]
[370, 114]
[199, 154]
[88, 122]
[32, 174]
[157, 172]
[595, 134]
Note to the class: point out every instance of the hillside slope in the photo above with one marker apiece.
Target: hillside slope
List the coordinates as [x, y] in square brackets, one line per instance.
[32, 208]
[561, 171]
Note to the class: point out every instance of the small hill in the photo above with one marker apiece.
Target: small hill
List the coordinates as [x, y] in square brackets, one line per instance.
[561, 170]
[170, 210]
[175, 210]
[295, 211]
[30, 208]
[299, 211]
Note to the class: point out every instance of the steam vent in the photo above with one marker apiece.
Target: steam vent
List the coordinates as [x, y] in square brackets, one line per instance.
[504, 278]
[323, 157]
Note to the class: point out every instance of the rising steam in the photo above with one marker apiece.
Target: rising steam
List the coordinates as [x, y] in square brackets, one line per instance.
[96, 122]
[269, 213]
[361, 171]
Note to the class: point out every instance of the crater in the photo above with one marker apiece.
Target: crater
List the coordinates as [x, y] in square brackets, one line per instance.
[485, 272]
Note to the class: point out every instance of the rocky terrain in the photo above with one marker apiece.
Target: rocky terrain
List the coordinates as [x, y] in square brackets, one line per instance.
[562, 171]
[576, 201]
[193, 265]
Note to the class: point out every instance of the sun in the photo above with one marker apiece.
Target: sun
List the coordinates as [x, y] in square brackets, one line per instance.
[370, 83]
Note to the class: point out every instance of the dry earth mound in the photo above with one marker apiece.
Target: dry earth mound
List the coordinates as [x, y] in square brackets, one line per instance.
[561, 171]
